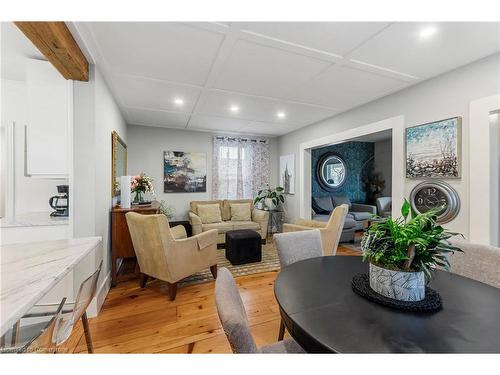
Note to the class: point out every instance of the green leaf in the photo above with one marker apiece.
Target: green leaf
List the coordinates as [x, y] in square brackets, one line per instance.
[405, 209]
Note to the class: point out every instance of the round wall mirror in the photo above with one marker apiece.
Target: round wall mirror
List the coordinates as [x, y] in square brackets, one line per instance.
[331, 171]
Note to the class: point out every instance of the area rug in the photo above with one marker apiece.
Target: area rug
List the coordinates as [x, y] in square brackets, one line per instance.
[356, 245]
[270, 262]
[353, 246]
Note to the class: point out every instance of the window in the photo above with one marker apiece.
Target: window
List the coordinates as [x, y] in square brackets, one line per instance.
[240, 167]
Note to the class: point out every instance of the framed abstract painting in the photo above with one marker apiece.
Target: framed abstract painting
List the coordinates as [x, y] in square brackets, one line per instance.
[433, 150]
[184, 172]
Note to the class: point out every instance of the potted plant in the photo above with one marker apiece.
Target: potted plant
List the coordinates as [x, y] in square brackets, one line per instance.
[139, 185]
[403, 252]
[271, 198]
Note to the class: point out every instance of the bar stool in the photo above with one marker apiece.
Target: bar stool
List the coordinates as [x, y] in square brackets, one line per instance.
[70, 314]
[33, 338]
[78, 311]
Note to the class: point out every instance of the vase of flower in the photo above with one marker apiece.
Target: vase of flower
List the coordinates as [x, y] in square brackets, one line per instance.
[139, 185]
[138, 196]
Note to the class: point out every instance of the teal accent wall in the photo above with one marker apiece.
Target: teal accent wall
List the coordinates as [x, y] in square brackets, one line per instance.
[355, 155]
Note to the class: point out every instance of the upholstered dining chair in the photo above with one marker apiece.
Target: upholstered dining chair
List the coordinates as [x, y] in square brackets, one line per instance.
[330, 231]
[233, 318]
[478, 262]
[293, 247]
[167, 254]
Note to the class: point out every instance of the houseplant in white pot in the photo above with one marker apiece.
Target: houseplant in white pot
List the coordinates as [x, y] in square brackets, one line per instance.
[403, 252]
[272, 198]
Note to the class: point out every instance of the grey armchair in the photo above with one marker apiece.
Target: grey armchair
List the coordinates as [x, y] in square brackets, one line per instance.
[233, 318]
[384, 206]
[359, 212]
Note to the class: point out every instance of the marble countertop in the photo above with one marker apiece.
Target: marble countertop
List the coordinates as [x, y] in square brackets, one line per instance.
[28, 271]
[32, 219]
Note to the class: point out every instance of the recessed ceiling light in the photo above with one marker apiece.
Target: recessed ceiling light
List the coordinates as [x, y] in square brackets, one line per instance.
[178, 101]
[427, 32]
[234, 108]
[281, 114]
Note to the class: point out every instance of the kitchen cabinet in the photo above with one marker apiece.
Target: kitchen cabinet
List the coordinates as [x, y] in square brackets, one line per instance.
[48, 128]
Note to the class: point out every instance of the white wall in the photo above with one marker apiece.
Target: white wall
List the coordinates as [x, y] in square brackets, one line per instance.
[495, 125]
[96, 116]
[31, 194]
[383, 163]
[108, 118]
[495, 119]
[145, 154]
[442, 97]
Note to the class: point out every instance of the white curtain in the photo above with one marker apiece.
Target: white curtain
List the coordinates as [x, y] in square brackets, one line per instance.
[240, 167]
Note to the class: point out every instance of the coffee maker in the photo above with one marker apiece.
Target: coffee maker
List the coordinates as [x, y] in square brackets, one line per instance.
[60, 202]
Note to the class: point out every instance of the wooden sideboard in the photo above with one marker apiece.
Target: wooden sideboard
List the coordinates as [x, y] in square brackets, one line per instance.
[122, 249]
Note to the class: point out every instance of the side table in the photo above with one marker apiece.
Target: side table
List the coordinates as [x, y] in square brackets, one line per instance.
[276, 220]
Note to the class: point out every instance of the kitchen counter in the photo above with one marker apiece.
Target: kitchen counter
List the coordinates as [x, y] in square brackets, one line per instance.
[33, 219]
[30, 270]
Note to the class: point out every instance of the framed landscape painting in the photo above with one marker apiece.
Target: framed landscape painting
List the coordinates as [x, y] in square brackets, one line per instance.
[433, 150]
[184, 172]
[287, 173]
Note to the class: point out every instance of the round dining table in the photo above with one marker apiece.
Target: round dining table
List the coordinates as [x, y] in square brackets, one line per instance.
[324, 315]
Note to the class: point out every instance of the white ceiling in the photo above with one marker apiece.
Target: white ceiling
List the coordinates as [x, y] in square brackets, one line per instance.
[307, 70]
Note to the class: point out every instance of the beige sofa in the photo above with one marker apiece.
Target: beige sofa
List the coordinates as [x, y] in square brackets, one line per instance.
[258, 223]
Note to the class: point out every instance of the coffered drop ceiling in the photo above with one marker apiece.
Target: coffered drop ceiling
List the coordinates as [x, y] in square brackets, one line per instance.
[270, 78]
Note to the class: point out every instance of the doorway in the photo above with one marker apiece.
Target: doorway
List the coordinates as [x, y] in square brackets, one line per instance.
[357, 171]
[484, 186]
[393, 125]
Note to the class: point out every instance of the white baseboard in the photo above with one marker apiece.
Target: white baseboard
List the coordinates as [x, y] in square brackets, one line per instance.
[96, 304]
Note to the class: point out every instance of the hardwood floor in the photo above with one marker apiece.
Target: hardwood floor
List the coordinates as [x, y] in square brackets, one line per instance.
[135, 320]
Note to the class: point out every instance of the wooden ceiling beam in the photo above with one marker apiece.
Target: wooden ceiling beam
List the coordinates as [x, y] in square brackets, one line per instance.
[55, 42]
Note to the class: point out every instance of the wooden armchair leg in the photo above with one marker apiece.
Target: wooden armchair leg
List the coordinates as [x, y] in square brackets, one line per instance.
[143, 280]
[213, 269]
[282, 330]
[86, 330]
[172, 290]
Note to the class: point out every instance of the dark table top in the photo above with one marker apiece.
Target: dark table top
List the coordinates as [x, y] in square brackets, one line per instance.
[323, 314]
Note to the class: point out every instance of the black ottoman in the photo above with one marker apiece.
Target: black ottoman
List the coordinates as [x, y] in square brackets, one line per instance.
[243, 246]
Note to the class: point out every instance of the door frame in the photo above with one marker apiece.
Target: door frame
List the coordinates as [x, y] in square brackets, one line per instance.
[484, 186]
[395, 124]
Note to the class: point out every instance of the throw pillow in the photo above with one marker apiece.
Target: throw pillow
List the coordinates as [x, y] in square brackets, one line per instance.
[322, 205]
[240, 212]
[209, 213]
[340, 199]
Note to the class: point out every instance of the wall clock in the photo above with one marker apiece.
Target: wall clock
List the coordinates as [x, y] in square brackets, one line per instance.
[428, 195]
